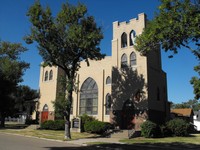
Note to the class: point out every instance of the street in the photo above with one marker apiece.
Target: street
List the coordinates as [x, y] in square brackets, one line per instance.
[17, 142]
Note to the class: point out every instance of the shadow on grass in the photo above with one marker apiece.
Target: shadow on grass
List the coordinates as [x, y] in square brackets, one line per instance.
[143, 146]
[14, 126]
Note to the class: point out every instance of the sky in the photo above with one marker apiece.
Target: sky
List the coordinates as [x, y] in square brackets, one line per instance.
[14, 25]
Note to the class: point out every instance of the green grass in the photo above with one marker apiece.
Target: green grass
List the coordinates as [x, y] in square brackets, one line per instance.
[49, 134]
[193, 139]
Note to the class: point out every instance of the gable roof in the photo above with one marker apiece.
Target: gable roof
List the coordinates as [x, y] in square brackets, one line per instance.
[187, 112]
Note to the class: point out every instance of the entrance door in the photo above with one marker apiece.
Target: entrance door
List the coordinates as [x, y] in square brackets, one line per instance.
[44, 116]
[127, 117]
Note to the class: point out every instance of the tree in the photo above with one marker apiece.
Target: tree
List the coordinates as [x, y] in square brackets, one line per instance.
[11, 72]
[23, 97]
[194, 104]
[65, 40]
[195, 81]
[175, 26]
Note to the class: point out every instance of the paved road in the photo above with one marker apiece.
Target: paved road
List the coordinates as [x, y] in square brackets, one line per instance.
[15, 142]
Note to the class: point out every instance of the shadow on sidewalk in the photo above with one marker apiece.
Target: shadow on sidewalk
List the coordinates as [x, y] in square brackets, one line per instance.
[144, 146]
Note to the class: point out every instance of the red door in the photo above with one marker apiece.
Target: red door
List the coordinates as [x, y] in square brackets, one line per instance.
[44, 116]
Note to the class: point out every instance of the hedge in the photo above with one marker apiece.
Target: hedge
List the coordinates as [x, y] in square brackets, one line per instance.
[150, 129]
[96, 126]
[53, 125]
[178, 127]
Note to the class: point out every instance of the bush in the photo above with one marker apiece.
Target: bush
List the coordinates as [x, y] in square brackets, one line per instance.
[30, 121]
[84, 119]
[165, 131]
[96, 126]
[178, 127]
[150, 129]
[53, 125]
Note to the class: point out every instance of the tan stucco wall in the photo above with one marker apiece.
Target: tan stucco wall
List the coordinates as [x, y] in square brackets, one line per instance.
[99, 71]
[47, 88]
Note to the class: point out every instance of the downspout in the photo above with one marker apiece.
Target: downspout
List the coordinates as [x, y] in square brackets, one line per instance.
[103, 89]
[77, 104]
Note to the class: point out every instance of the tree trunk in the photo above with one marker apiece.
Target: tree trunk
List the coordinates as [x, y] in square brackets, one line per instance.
[67, 129]
[2, 120]
[67, 117]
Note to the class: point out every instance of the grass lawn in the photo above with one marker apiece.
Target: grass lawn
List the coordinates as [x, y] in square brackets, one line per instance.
[192, 139]
[49, 134]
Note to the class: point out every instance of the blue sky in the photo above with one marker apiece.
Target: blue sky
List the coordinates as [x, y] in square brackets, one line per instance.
[14, 25]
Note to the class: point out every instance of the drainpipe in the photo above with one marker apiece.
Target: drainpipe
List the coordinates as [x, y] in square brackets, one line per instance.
[77, 96]
[103, 89]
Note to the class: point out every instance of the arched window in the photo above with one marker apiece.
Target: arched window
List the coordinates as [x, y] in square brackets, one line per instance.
[108, 80]
[51, 75]
[124, 61]
[46, 76]
[45, 107]
[108, 104]
[132, 59]
[124, 40]
[132, 37]
[89, 97]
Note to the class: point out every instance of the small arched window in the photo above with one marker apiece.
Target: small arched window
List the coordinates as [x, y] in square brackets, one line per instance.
[46, 76]
[132, 37]
[124, 61]
[108, 80]
[45, 107]
[124, 40]
[132, 59]
[51, 75]
[108, 104]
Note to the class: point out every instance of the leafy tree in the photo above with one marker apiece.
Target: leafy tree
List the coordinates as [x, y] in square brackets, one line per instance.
[11, 72]
[176, 25]
[195, 81]
[23, 95]
[64, 41]
[194, 104]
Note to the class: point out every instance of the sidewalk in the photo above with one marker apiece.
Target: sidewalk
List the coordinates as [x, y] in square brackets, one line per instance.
[85, 142]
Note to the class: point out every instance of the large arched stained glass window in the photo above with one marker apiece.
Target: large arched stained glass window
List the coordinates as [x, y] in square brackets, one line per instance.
[89, 97]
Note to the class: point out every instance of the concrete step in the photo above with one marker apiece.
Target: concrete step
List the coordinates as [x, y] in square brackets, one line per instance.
[120, 134]
[33, 126]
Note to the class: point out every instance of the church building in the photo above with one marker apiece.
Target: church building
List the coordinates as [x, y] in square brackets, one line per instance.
[125, 88]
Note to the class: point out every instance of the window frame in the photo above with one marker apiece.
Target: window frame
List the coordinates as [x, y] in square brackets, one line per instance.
[124, 40]
[124, 61]
[89, 97]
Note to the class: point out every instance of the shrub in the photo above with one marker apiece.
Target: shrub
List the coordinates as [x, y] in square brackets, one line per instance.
[59, 125]
[165, 132]
[84, 119]
[53, 125]
[178, 127]
[96, 126]
[30, 121]
[150, 129]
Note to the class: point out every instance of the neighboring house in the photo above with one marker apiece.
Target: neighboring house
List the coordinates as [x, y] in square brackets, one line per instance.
[183, 113]
[125, 88]
[31, 108]
[196, 118]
